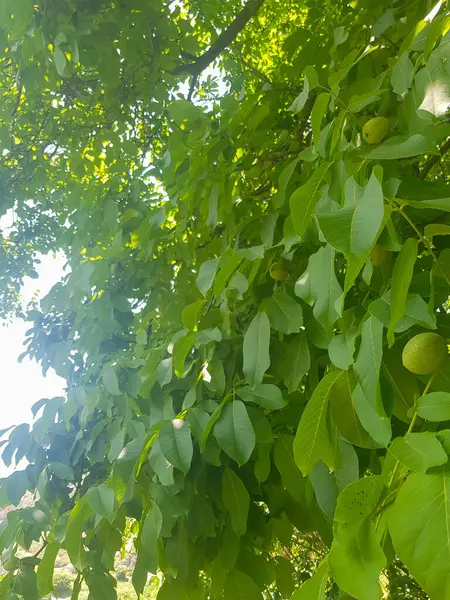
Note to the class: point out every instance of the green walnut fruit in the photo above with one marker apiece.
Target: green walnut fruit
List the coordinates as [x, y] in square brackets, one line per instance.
[279, 271]
[375, 130]
[380, 256]
[425, 353]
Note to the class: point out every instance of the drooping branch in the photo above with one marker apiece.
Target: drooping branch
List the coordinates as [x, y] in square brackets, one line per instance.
[224, 40]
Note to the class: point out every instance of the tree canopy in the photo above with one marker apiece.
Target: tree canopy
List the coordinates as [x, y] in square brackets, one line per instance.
[248, 254]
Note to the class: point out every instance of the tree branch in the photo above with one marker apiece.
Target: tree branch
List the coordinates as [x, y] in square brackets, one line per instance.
[226, 38]
[434, 160]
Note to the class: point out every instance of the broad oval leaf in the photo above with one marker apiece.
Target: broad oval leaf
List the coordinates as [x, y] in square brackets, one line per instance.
[402, 147]
[420, 515]
[285, 314]
[234, 432]
[176, 444]
[239, 586]
[102, 501]
[418, 451]
[434, 407]
[266, 395]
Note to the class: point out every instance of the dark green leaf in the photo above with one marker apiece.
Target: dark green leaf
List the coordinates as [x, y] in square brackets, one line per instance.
[236, 500]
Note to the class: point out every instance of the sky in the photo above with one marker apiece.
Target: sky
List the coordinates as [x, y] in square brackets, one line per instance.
[22, 384]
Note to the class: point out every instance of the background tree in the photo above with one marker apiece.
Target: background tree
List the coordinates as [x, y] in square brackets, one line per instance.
[249, 254]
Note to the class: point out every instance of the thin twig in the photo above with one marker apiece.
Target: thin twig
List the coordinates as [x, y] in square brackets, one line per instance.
[433, 160]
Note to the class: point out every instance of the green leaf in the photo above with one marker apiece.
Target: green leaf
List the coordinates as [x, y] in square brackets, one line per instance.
[284, 179]
[354, 228]
[317, 114]
[418, 451]
[236, 500]
[356, 560]
[285, 577]
[285, 314]
[303, 201]
[61, 471]
[367, 216]
[45, 569]
[311, 81]
[149, 371]
[328, 484]
[402, 383]
[367, 396]
[206, 275]
[160, 465]
[256, 349]
[402, 147]
[341, 350]
[234, 432]
[284, 460]
[314, 440]
[434, 407]
[148, 538]
[176, 444]
[110, 380]
[181, 349]
[5, 586]
[296, 362]
[436, 229]
[263, 463]
[192, 314]
[102, 501]
[401, 280]
[228, 265]
[319, 286]
[125, 468]
[344, 413]
[60, 60]
[418, 524]
[358, 500]
[267, 395]
[402, 75]
[239, 586]
[74, 530]
[417, 312]
[315, 587]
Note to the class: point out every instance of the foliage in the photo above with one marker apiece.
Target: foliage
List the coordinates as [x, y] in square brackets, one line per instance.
[215, 416]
